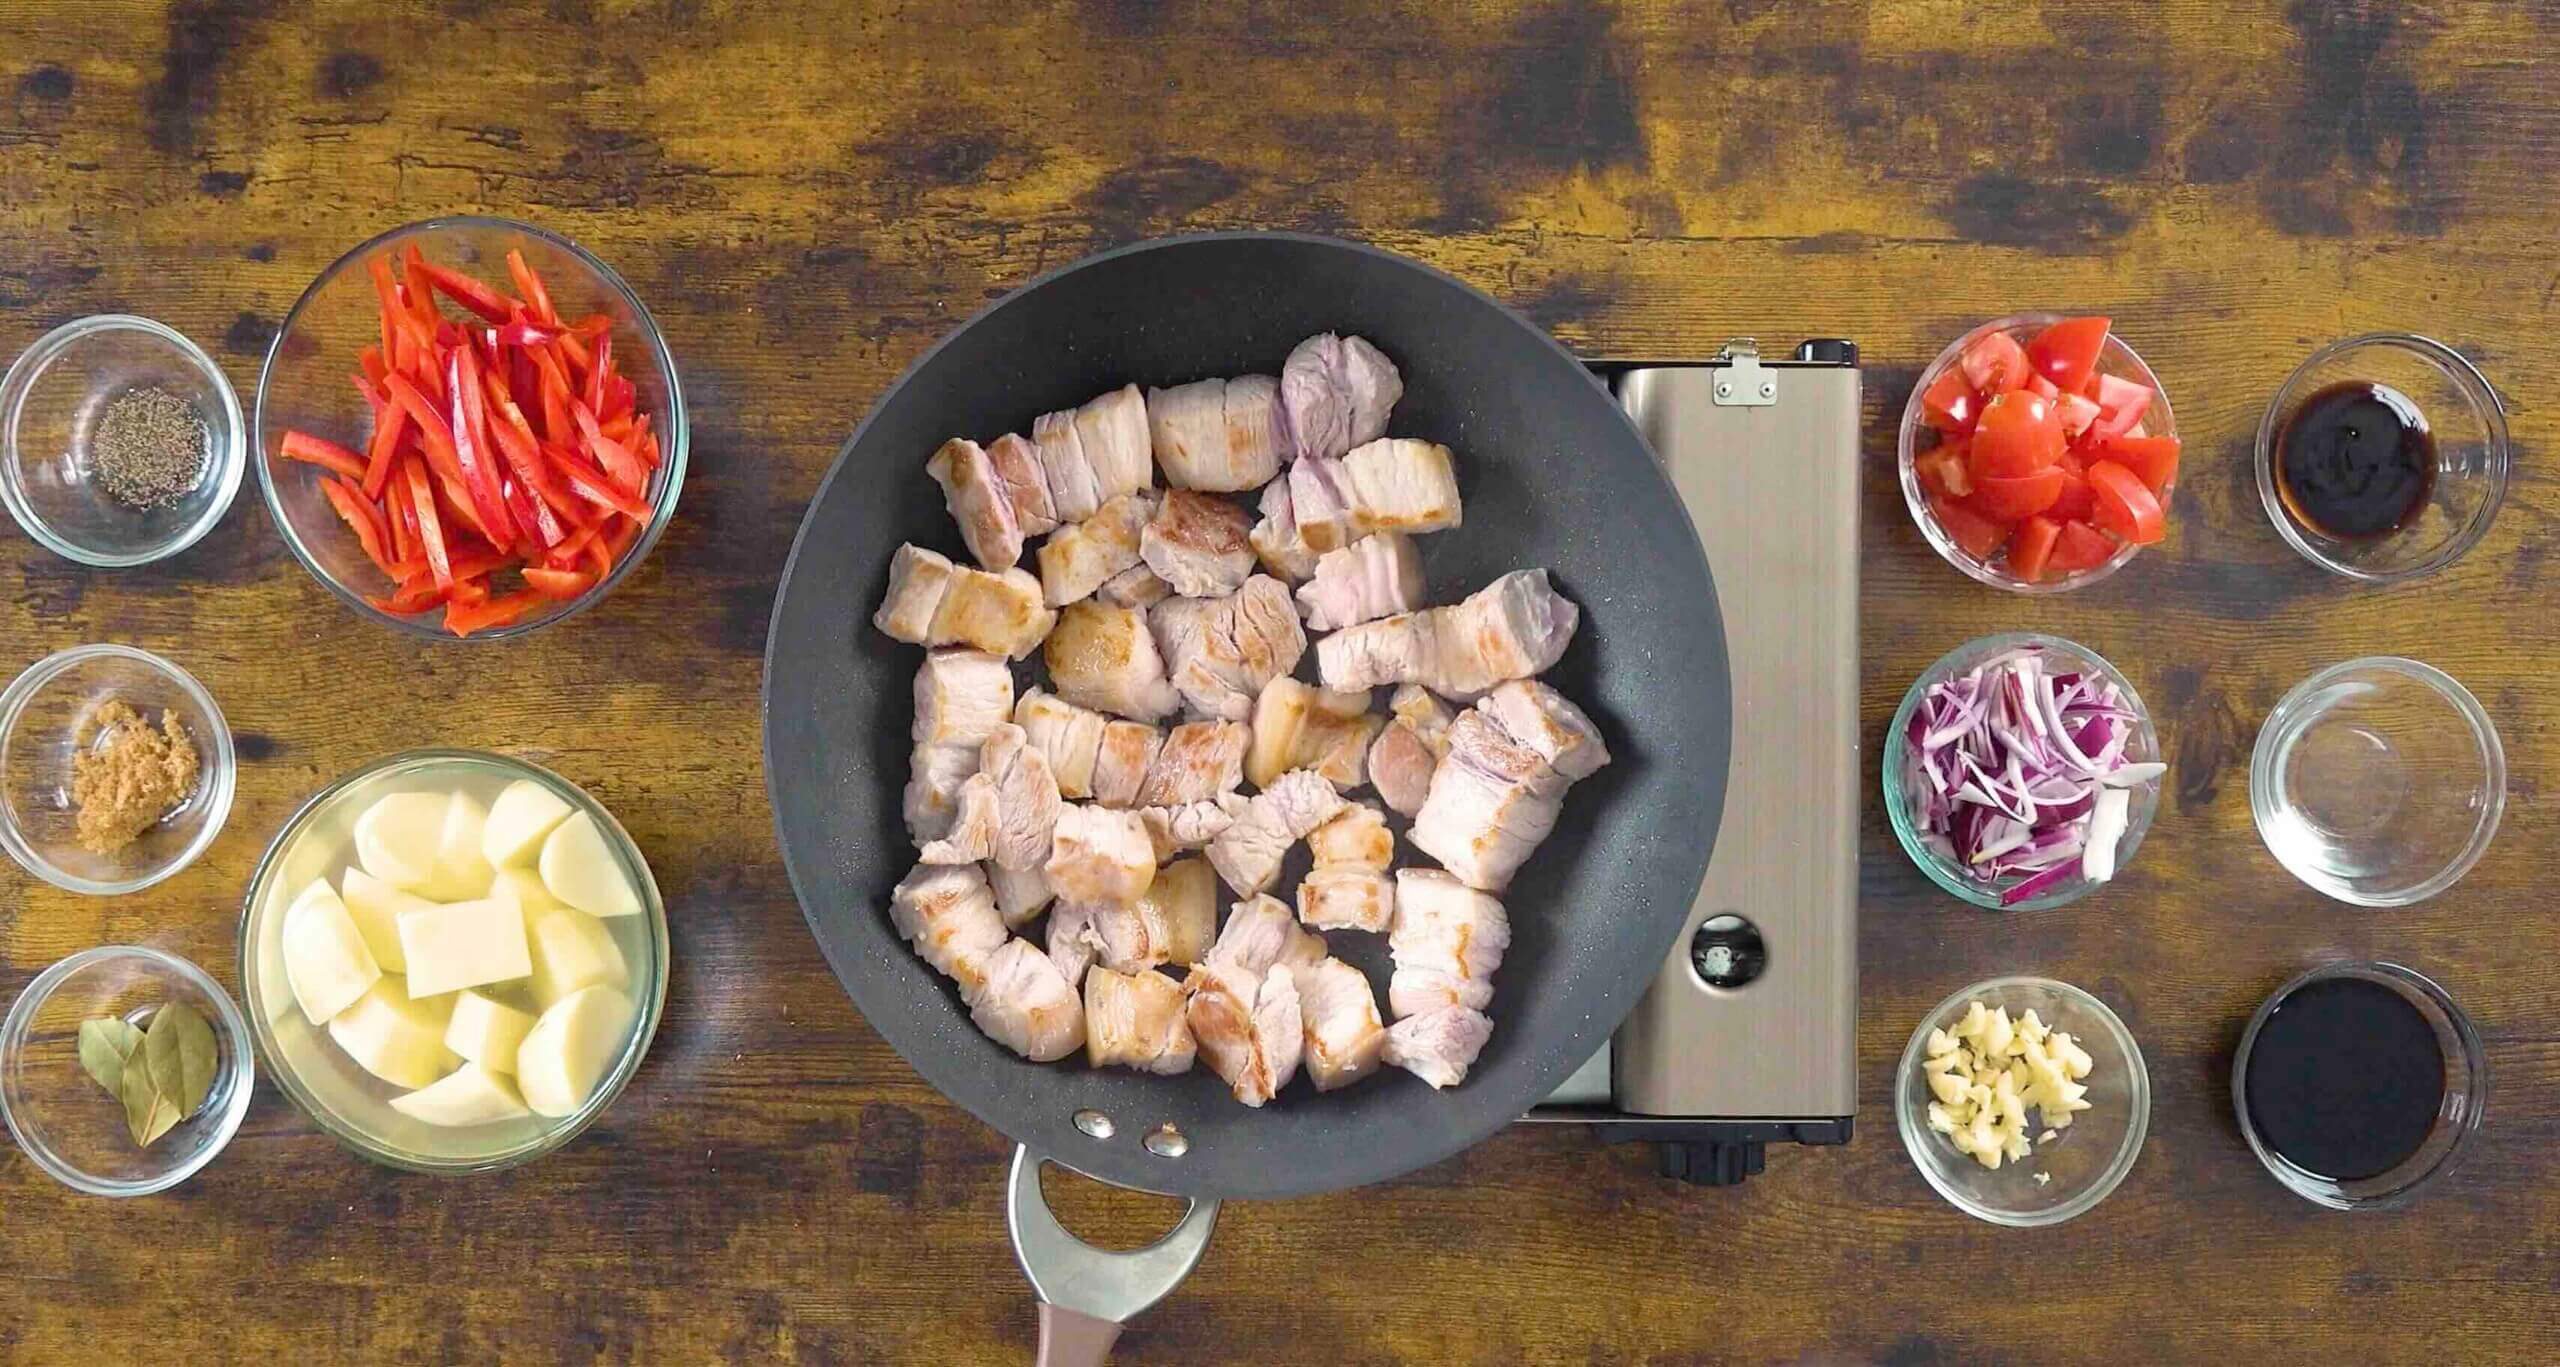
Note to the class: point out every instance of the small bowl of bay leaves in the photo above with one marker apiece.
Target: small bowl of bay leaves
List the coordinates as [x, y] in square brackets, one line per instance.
[124, 1070]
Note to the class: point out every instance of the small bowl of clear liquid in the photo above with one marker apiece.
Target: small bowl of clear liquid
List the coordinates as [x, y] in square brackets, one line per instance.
[2379, 781]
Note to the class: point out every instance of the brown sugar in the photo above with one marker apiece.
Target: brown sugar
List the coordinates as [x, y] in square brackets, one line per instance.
[127, 783]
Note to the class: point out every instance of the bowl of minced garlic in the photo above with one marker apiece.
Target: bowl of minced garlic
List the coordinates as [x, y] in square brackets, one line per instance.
[115, 769]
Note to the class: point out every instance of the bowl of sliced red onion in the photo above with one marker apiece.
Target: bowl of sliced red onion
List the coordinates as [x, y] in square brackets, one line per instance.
[2021, 772]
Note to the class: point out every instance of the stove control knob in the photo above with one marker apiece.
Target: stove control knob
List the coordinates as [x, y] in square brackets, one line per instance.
[1727, 952]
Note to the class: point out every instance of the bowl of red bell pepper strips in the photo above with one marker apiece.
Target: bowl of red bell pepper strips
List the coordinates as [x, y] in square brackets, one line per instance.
[470, 427]
[2038, 453]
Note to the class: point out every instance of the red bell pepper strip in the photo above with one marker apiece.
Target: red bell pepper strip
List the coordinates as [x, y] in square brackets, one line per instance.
[430, 526]
[321, 451]
[597, 374]
[561, 584]
[613, 456]
[463, 619]
[433, 432]
[463, 290]
[573, 351]
[524, 457]
[528, 284]
[399, 319]
[471, 448]
[371, 362]
[565, 554]
[389, 426]
[360, 519]
[594, 485]
[413, 595]
[536, 528]
[415, 289]
[404, 524]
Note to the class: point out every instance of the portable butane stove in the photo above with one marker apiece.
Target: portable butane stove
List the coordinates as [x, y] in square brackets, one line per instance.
[1749, 1033]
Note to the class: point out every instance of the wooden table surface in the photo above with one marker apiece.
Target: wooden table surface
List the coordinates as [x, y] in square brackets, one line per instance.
[808, 200]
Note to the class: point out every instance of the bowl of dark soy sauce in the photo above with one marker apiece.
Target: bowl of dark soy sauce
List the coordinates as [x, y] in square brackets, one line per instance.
[2358, 1084]
[2383, 457]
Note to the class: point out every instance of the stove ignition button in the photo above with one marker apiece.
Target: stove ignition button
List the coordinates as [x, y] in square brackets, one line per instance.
[1727, 952]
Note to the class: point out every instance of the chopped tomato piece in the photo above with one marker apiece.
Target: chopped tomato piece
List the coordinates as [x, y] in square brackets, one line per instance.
[2008, 500]
[2037, 384]
[2121, 404]
[1943, 471]
[2073, 503]
[2031, 545]
[2080, 547]
[2153, 459]
[1994, 364]
[2126, 506]
[2078, 414]
[2019, 434]
[2067, 352]
[1978, 535]
[1949, 404]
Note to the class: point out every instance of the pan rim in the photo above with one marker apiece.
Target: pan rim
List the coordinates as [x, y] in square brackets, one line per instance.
[1617, 1001]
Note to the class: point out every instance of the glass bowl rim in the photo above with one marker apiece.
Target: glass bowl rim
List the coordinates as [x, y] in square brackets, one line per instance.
[243, 1058]
[226, 444]
[2325, 1191]
[1917, 1136]
[2493, 758]
[2486, 405]
[220, 766]
[676, 429]
[1916, 499]
[1897, 803]
[651, 1003]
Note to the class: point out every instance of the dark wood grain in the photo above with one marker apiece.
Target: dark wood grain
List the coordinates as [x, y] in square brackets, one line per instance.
[808, 199]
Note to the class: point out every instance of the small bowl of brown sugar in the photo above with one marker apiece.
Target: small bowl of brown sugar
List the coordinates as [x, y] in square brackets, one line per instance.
[116, 769]
[120, 441]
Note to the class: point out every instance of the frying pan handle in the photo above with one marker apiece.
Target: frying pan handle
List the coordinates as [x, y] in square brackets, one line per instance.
[1087, 1293]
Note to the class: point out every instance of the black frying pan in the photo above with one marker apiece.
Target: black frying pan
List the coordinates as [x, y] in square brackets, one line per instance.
[1551, 473]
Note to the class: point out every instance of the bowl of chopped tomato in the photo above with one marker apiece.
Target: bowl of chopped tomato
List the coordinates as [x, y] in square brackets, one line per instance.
[2038, 453]
[470, 428]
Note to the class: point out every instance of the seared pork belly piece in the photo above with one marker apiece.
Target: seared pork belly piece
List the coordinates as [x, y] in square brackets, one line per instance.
[1120, 767]
[1111, 432]
[1135, 1020]
[1401, 485]
[1347, 899]
[1073, 491]
[1081, 557]
[1298, 727]
[1275, 538]
[1197, 544]
[1130, 939]
[976, 496]
[1026, 485]
[1421, 991]
[1406, 753]
[1498, 792]
[1248, 854]
[1320, 497]
[1072, 945]
[1021, 894]
[1219, 652]
[974, 823]
[935, 773]
[1198, 761]
[1336, 392]
[1338, 1010]
[1356, 838]
[1191, 825]
[1026, 1005]
[947, 913]
[961, 697]
[1184, 900]
[1447, 927]
[1260, 932]
[1069, 735]
[1219, 436]
[1376, 576]
[1134, 587]
[1098, 855]
[1026, 794]
[1105, 657]
[1514, 627]
[1440, 1047]
[932, 602]
[1246, 1027]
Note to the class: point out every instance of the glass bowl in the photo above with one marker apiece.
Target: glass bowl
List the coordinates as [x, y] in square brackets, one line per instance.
[51, 404]
[58, 1113]
[2379, 781]
[1918, 438]
[1942, 868]
[2466, 1094]
[331, 1087]
[40, 718]
[2469, 423]
[305, 386]
[2080, 1164]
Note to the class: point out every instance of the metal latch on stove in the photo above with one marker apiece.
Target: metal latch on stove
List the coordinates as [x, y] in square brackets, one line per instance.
[1745, 383]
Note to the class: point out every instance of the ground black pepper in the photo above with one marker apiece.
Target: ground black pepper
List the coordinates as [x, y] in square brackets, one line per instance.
[149, 450]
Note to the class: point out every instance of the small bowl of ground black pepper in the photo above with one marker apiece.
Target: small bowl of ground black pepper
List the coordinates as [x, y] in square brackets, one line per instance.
[116, 769]
[120, 441]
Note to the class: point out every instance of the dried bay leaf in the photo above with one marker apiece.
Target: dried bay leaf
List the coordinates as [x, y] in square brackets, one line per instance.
[106, 1044]
[181, 1049]
[142, 1103]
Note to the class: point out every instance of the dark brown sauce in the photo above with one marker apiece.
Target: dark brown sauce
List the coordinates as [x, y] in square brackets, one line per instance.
[2346, 1078]
[2356, 461]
